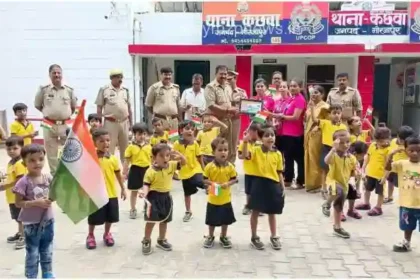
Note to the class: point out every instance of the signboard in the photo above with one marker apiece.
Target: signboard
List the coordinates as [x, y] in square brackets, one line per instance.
[415, 22]
[374, 18]
[264, 22]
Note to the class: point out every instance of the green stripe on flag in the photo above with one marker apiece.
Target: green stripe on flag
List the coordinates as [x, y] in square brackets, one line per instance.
[70, 196]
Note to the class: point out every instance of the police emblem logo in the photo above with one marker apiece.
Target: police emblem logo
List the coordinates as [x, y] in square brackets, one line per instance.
[305, 18]
[242, 7]
[73, 150]
[415, 27]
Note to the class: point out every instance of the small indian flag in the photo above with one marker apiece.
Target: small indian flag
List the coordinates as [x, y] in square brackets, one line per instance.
[78, 185]
[215, 189]
[272, 89]
[261, 117]
[47, 124]
[196, 121]
[369, 111]
[173, 135]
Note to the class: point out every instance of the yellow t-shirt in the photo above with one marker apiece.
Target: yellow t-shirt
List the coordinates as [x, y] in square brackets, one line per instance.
[328, 129]
[248, 165]
[205, 138]
[15, 169]
[363, 136]
[160, 180]
[110, 165]
[190, 152]
[19, 129]
[155, 139]
[340, 171]
[267, 164]
[400, 155]
[220, 174]
[377, 159]
[139, 155]
[408, 183]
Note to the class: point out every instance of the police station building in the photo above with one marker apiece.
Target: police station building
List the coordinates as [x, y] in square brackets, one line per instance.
[375, 42]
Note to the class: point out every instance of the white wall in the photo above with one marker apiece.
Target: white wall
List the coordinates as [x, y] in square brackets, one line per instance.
[72, 34]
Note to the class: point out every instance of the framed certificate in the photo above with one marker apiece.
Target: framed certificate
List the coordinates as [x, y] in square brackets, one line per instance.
[250, 106]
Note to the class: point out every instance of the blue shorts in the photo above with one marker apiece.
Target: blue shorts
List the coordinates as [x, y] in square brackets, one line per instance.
[409, 219]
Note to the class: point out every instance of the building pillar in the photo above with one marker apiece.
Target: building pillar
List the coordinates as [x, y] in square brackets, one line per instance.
[365, 80]
[244, 68]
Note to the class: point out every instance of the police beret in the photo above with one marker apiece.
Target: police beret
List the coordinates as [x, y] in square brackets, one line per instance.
[231, 72]
[115, 72]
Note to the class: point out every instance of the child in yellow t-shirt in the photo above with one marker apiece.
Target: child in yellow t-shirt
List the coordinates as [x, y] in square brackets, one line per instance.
[15, 171]
[211, 130]
[138, 157]
[21, 126]
[342, 165]
[267, 189]
[408, 173]
[374, 170]
[108, 214]
[191, 173]
[219, 175]
[356, 132]
[156, 191]
[398, 153]
[249, 171]
[328, 128]
[159, 134]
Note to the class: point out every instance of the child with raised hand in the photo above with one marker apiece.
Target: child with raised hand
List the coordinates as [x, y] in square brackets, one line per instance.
[397, 153]
[252, 135]
[328, 128]
[21, 126]
[36, 213]
[267, 189]
[15, 170]
[342, 165]
[138, 157]
[191, 173]
[211, 130]
[356, 132]
[156, 190]
[374, 170]
[408, 173]
[219, 211]
[159, 134]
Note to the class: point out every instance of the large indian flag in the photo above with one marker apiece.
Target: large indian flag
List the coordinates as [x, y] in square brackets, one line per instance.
[78, 185]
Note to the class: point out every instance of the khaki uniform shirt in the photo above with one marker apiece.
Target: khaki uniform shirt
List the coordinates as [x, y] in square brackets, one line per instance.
[350, 100]
[237, 95]
[217, 94]
[164, 100]
[114, 102]
[55, 103]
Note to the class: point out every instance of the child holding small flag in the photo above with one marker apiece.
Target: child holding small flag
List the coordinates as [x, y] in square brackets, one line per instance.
[206, 136]
[32, 192]
[156, 192]
[219, 176]
[191, 173]
[138, 157]
[21, 126]
[356, 132]
[109, 213]
[267, 190]
[159, 134]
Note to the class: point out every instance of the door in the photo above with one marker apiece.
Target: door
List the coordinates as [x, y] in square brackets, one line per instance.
[322, 75]
[185, 69]
[266, 72]
[381, 90]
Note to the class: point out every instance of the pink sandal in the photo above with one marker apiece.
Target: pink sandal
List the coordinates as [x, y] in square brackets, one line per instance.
[376, 211]
[354, 214]
[363, 206]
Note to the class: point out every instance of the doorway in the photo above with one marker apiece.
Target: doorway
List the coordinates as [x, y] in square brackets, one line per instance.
[266, 72]
[185, 69]
[322, 75]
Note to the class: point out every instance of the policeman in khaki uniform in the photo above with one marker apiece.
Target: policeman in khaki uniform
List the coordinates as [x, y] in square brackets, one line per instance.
[113, 104]
[218, 95]
[347, 97]
[163, 100]
[57, 103]
[237, 95]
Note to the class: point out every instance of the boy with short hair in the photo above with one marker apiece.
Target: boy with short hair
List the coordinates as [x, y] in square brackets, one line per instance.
[159, 134]
[21, 126]
[109, 213]
[15, 170]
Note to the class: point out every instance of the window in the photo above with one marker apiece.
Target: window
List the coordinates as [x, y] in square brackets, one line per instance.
[178, 7]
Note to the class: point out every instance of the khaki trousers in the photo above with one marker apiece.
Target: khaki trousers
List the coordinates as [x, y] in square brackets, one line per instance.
[236, 130]
[118, 132]
[228, 135]
[53, 138]
[170, 124]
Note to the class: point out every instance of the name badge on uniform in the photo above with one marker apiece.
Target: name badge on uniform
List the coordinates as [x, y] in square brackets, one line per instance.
[112, 95]
[51, 95]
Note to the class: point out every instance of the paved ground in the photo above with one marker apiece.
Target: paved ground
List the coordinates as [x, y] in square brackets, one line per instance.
[309, 249]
